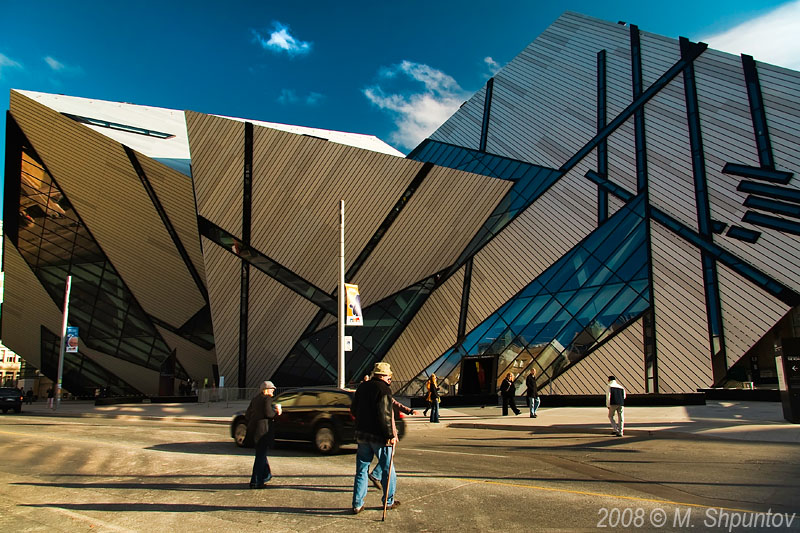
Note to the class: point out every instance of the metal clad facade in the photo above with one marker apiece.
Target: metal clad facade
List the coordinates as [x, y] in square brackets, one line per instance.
[176, 195]
[621, 356]
[26, 306]
[429, 234]
[297, 185]
[276, 319]
[224, 291]
[682, 343]
[100, 182]
[432, 331]
[748, 313]
[217, 148]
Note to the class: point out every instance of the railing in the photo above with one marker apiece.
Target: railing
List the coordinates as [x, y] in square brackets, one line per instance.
[228, 395]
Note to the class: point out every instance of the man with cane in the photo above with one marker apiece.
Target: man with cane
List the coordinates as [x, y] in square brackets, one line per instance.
[375, 434]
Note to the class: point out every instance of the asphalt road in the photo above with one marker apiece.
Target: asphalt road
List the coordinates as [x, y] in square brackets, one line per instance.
[71, 474]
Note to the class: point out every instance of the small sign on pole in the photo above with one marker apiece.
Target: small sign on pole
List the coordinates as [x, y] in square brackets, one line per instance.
[353, 308]
[72, 339]
[348, 343]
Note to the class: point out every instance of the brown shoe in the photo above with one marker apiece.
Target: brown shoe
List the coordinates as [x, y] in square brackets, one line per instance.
[375, 482]
[357, 510]
[394, 505]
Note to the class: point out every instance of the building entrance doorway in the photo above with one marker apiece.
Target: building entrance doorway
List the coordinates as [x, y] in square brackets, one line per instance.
[478, 375]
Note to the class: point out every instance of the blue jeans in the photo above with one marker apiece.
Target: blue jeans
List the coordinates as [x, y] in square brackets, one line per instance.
[261, 470]
[364, 455]
[435, 410]
[533, 404]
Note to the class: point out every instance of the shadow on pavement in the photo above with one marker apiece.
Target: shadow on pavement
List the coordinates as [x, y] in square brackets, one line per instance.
[189, 508]
[281, 449]
[195, 487]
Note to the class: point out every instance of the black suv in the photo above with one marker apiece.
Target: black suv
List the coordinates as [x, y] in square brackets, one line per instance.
[320, 415]
[10, 398]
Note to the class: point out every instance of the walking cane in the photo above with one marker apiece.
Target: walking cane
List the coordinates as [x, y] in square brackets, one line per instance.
[388, 481]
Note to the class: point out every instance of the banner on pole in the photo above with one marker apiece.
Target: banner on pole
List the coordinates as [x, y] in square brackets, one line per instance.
[72, 339]
[353, 306]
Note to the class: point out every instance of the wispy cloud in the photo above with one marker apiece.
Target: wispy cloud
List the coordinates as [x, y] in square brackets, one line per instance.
[54, 63]
[290, 96]
[7, 63]
[494, 66]
[280, 40]
[61, 68]
[417, 113]
[772, 38]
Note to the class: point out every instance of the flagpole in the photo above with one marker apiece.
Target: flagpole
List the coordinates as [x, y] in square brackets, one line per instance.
[341, 295]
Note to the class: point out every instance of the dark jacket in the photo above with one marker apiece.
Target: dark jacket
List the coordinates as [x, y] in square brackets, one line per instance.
[433, 390]
[532, 391]
[507, 388]
[259, 412]
[372, 407]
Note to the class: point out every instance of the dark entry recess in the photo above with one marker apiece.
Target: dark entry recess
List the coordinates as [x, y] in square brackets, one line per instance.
[478, 376]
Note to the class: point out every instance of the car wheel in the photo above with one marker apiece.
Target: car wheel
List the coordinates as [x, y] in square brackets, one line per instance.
[240, 433]
[18, 409]
[325, 440]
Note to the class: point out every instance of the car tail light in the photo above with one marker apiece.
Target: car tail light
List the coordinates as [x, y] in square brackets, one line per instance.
[352, 417]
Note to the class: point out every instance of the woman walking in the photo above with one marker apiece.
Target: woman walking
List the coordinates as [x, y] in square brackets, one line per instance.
[433, 398]
[259, 413]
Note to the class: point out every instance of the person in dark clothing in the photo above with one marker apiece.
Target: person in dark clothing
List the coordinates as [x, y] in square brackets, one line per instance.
[377, 473]
[508, 391]
[433, 398]
[532, 393]
[29, 397]
[259, 413]
[375, 435]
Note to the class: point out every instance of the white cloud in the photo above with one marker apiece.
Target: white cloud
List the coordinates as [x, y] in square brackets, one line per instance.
[493, 65]
[6, 63]
[280, 40]
[772, 38]
[290, 96]
[417, 114]
[60, 68]
[54, 63]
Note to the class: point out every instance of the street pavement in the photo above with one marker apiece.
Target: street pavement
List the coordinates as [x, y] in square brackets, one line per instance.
[752, 421]
[173, 467]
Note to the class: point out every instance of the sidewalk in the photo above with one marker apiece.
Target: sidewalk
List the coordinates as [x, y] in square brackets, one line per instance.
[754, 421]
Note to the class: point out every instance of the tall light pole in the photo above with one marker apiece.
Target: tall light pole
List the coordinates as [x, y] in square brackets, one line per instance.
[342, 312]
[63, 341]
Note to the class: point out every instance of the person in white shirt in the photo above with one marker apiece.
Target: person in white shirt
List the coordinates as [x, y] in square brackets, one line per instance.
[615, 401]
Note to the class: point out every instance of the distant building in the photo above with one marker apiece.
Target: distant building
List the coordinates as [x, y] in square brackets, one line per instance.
[612, 201]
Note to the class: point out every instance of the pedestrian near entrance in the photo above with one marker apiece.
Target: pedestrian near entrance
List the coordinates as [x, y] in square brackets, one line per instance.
[259, 413]
[50, 397]
[433, 397]
[532, 393]
[615, 401]
[507, 391]
[375, 435]
[29, 397]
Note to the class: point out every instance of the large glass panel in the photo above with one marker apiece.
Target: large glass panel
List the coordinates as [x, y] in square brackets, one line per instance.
[585, 302]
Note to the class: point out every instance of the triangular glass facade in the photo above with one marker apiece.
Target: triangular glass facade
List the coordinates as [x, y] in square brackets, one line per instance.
[596, 289]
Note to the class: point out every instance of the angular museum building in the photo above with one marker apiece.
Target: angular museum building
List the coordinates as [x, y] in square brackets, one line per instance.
[612, 201]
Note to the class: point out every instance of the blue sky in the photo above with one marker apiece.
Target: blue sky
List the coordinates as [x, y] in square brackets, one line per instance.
[391, 69]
